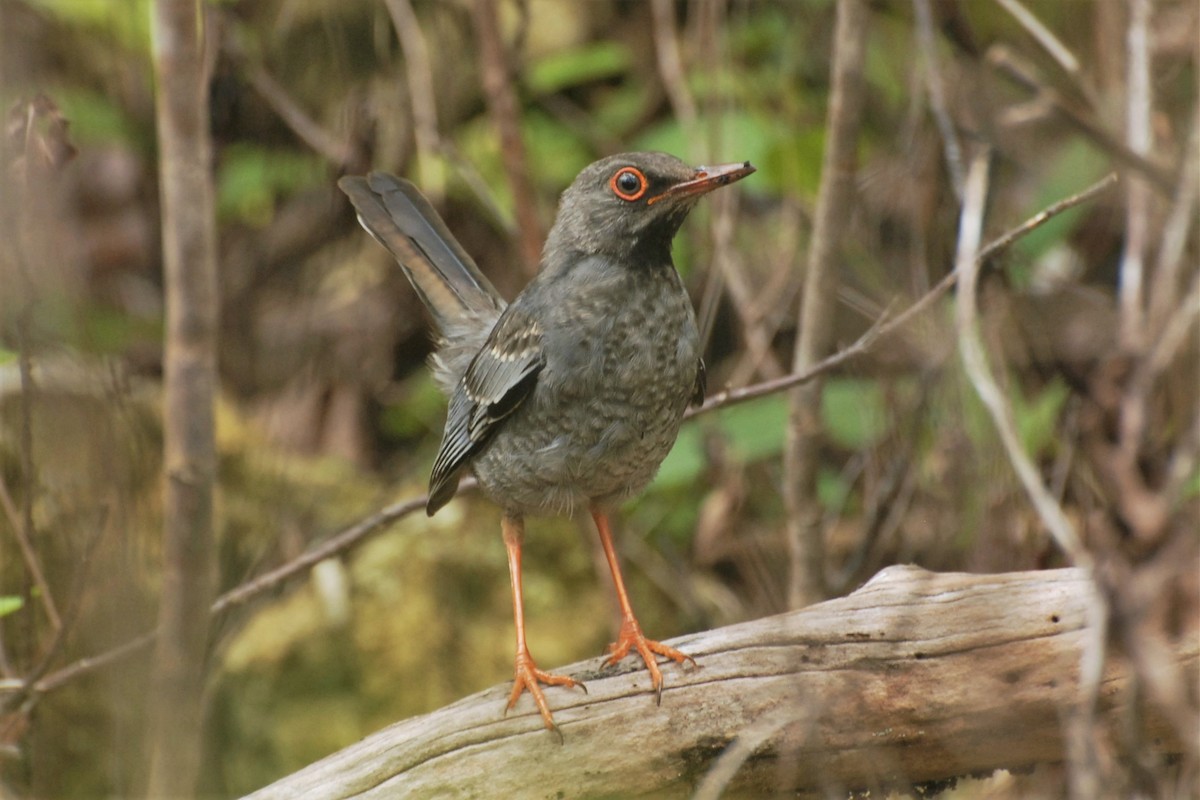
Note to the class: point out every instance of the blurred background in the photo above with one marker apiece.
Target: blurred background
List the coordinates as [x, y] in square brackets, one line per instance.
[326, 412]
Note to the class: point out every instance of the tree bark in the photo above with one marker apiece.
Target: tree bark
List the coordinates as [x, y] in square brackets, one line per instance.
[916, 677]
[189, 259]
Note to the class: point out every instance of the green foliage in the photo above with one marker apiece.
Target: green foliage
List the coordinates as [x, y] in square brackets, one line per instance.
[124, 22]
[565, 69]
[11, 603]
[251, 178]
[561, 153]
[853, 412]
[421, 411]
[1037, 416]
[98, 118]
[1070, 167]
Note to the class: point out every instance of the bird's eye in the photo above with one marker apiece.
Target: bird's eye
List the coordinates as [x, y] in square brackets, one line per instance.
[628, 183]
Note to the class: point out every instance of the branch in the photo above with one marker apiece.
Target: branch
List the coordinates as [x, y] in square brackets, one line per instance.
[885, 326]
[175, 714]
[814, 339]
[915, 677]
[502, 106]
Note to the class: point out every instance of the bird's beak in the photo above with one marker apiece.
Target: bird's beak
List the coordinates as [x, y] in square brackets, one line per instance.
[705, 180]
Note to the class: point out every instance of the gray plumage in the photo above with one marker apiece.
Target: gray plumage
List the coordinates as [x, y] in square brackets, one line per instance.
[573, 394]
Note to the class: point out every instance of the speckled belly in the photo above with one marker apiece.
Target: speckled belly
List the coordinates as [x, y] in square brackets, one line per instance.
[598, 435]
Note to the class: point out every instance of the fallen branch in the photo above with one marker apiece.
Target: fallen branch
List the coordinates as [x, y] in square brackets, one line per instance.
[915, 677]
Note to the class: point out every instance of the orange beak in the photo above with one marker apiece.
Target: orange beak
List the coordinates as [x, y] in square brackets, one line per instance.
[705, 180]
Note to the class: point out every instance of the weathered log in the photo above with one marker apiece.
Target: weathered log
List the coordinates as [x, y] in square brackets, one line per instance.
[915, 677]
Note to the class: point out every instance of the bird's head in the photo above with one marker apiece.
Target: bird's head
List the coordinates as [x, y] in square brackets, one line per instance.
[631, 205]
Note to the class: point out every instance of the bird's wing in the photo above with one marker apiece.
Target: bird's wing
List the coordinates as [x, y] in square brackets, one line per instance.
[395, 213]
[499, 378]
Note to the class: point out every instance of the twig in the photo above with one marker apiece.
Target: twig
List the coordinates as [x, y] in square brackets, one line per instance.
[806, 551]
[30, 681]
[502, 106]
[1009, 63]
[338, 152]
[1051, 44]
[884, 326]
[329, 548]
[1084, 772]
[937, 94]
[60, 678]
[1039, 219]
[28, 554]
[670, 65]
[975, 363]
[749, 739]
[1182, 217]
[420, 92]
[1137, 210]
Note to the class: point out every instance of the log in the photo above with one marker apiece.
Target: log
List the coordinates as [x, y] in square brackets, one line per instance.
[914, 678]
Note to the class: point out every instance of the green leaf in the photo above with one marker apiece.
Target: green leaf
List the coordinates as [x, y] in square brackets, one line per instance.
[1069, 169]
[755, 430]
[250, 178]
[685, 461]
[853, 411]
[1037, 417]
[10, 603]
[579, 65]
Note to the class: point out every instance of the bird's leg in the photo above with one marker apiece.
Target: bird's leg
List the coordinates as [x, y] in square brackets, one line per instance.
[527, 676]
[631, 636]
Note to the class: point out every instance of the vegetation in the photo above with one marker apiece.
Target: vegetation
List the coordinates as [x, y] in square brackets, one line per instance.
[325, 413]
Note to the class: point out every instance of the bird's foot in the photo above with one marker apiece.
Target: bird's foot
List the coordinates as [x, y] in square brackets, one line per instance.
[632, 638]
[527, 677]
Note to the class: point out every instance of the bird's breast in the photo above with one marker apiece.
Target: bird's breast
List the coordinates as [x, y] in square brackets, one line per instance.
[621, 357]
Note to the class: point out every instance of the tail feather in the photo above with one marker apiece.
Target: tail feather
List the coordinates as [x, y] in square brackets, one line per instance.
[395, 213]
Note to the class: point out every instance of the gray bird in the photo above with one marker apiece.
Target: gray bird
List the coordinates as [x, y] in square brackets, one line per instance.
[570, 396]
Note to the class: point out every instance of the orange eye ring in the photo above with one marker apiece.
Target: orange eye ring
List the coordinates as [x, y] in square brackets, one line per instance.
[623, 188]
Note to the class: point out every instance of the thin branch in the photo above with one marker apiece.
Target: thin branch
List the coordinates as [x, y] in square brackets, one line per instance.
[338, 152]
[884, 326]
[1051, 44]
[60, 678]
[1180, 221]
[28, 554]
[502, 106]
[937, 94]
[1009, 63]
[330, 548]
[670, 65]
[419, 71]
[806, 556]
[978, 371]
[1137, 211]
[30, 681]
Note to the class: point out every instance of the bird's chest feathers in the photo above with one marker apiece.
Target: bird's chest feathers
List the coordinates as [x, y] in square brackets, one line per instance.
[626, 335]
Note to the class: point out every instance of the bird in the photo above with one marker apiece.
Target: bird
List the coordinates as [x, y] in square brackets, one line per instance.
[570, 396]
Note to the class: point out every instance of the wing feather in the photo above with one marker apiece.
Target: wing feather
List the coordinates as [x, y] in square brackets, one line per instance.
[499, 378]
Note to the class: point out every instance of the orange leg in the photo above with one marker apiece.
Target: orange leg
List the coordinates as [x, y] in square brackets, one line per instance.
[527, 676]
[631, 636]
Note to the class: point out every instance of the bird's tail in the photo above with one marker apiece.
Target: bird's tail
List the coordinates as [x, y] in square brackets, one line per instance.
[396, 214]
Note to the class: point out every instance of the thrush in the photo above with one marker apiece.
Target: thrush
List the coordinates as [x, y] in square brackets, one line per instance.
[570, 396]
